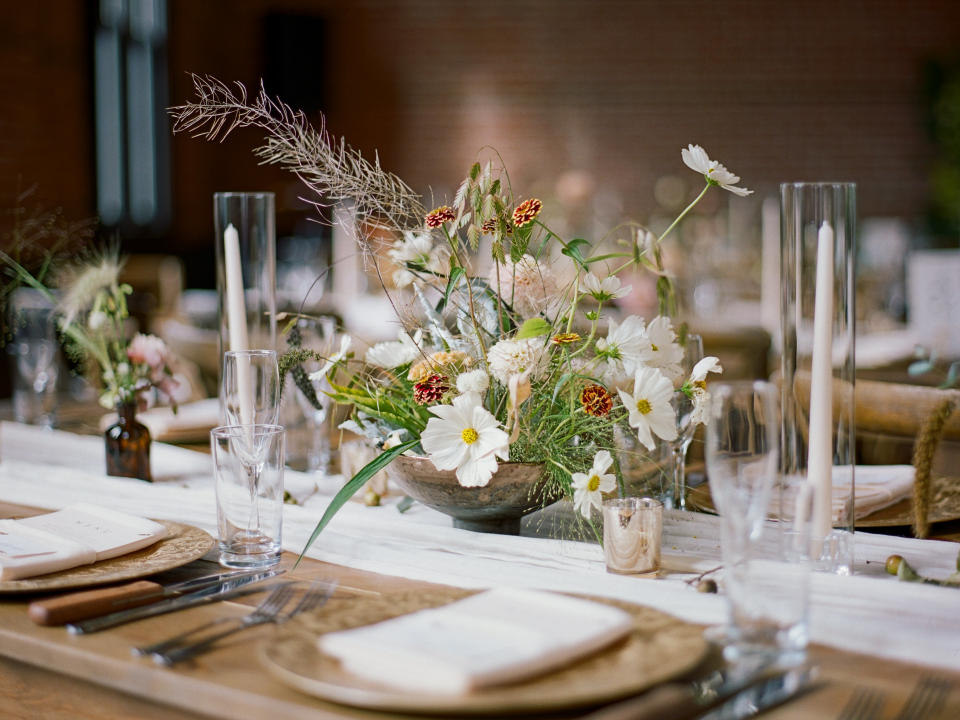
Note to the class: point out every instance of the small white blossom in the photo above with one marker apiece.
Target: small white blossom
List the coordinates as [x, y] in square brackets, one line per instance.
[649, 406]
[607, 289]
[527, 286]
[475, 381]
[665, 351]
[699, 394]
[321, 374]
[395, 353]
[625, 348]
[708, 364]
[515, 357]
[588, 486]
[465, 437]
[696, 159]
[416, 249]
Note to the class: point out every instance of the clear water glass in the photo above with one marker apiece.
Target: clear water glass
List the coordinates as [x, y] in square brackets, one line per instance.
[248, 465]
[765, 576]
[250, 387]
[35, 358]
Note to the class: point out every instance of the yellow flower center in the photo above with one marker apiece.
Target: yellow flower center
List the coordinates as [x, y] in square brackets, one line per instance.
[594, 483]
[702, 384]
[654, 347]
[643, 405]
[469, 436]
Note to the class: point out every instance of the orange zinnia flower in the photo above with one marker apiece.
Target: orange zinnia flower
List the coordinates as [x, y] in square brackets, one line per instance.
[596, 400]
[526, 211]
[439, 216]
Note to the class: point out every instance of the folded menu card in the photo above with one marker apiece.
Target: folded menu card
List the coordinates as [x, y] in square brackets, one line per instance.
[499, 636]
[77, 535]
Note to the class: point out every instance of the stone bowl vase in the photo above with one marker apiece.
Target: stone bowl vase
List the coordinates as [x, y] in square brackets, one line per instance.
[515, 490]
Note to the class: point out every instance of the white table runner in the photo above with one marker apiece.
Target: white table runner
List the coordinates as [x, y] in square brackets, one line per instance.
[871, 612]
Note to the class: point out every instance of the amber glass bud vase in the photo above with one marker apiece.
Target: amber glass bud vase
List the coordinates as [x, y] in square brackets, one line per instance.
[128, 445]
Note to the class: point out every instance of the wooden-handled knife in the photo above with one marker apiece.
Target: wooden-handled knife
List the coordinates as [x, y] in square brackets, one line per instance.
[101, 601]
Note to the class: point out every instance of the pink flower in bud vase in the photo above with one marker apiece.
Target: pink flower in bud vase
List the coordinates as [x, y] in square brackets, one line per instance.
[149, 350]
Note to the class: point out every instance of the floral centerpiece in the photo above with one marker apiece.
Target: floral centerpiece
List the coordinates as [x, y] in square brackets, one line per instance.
[511, 349]
[92, 316]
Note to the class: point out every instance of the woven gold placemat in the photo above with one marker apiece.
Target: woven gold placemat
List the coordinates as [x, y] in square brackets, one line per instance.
[659, 648]
[183, 544]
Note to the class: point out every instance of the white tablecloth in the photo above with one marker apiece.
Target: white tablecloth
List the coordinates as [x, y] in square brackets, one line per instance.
[870, 612]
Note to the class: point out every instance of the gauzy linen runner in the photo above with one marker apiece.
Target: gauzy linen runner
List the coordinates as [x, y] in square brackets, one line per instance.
[870, 612]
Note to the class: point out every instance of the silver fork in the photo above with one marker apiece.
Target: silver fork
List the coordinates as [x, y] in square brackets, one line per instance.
[172, 642]
[316, 596]
[864, 704]
[927, 699]
[266, 612]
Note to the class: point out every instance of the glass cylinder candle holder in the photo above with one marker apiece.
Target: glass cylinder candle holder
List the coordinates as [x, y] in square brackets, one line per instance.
[817, 312]
[245, 241]
[632, 530]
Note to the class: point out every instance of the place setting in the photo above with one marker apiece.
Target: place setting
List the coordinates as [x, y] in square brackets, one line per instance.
[524, 443]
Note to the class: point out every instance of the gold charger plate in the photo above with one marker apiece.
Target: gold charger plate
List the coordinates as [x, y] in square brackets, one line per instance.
[944, 505]
[183, 544]
[661, 647]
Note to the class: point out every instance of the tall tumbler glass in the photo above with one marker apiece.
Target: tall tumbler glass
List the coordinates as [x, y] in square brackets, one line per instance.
[765, 580]
[248, 468]
[35, 357]
[250, 387]
[817, 311]
[245, 241]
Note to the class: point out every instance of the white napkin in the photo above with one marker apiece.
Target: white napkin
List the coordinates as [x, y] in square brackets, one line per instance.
[502, 635]
[876, 487]
[80, 534]
[191, 423]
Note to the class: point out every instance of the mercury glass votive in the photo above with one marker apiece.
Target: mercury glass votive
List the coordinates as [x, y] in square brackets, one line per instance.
[632, 529]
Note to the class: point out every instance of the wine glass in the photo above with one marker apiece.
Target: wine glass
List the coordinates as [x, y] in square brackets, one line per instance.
[249, 397]
[250, 387]
[683, 407]
[743, 440]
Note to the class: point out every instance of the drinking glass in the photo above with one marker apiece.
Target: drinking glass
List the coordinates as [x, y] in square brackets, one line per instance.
[248, 468]
[35, 358]
[766, 583]
[683, 407]
[250, 387]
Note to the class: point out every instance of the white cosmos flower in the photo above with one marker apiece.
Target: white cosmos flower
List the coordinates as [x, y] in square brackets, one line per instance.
[588, 486]
[696, 159]
[416, 249]
[515, 357]
[395, 353]
[665, 351]
[625, 348]
[466, 438]
[698, 389]
[649, 406]
[321, 374]
[607, 289]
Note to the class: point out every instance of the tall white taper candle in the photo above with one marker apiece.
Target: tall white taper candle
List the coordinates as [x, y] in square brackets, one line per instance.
[820, 449]
[237, 319]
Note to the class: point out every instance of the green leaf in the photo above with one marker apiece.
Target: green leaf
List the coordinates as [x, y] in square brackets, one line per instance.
[564, 379]
[351, 487]
[572, 251]
[951, 376]
[920, 367]
[455, 274]
[406, 502]
[534, 327]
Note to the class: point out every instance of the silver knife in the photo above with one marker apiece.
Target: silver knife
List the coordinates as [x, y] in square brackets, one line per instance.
[228, 588]
[685, 700]
[767, 694]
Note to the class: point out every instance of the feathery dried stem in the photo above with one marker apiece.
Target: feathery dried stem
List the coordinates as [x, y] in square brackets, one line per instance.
[330, 168]
[925, 449]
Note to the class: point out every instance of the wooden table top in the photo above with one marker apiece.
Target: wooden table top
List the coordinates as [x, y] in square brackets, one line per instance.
[45, 672]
